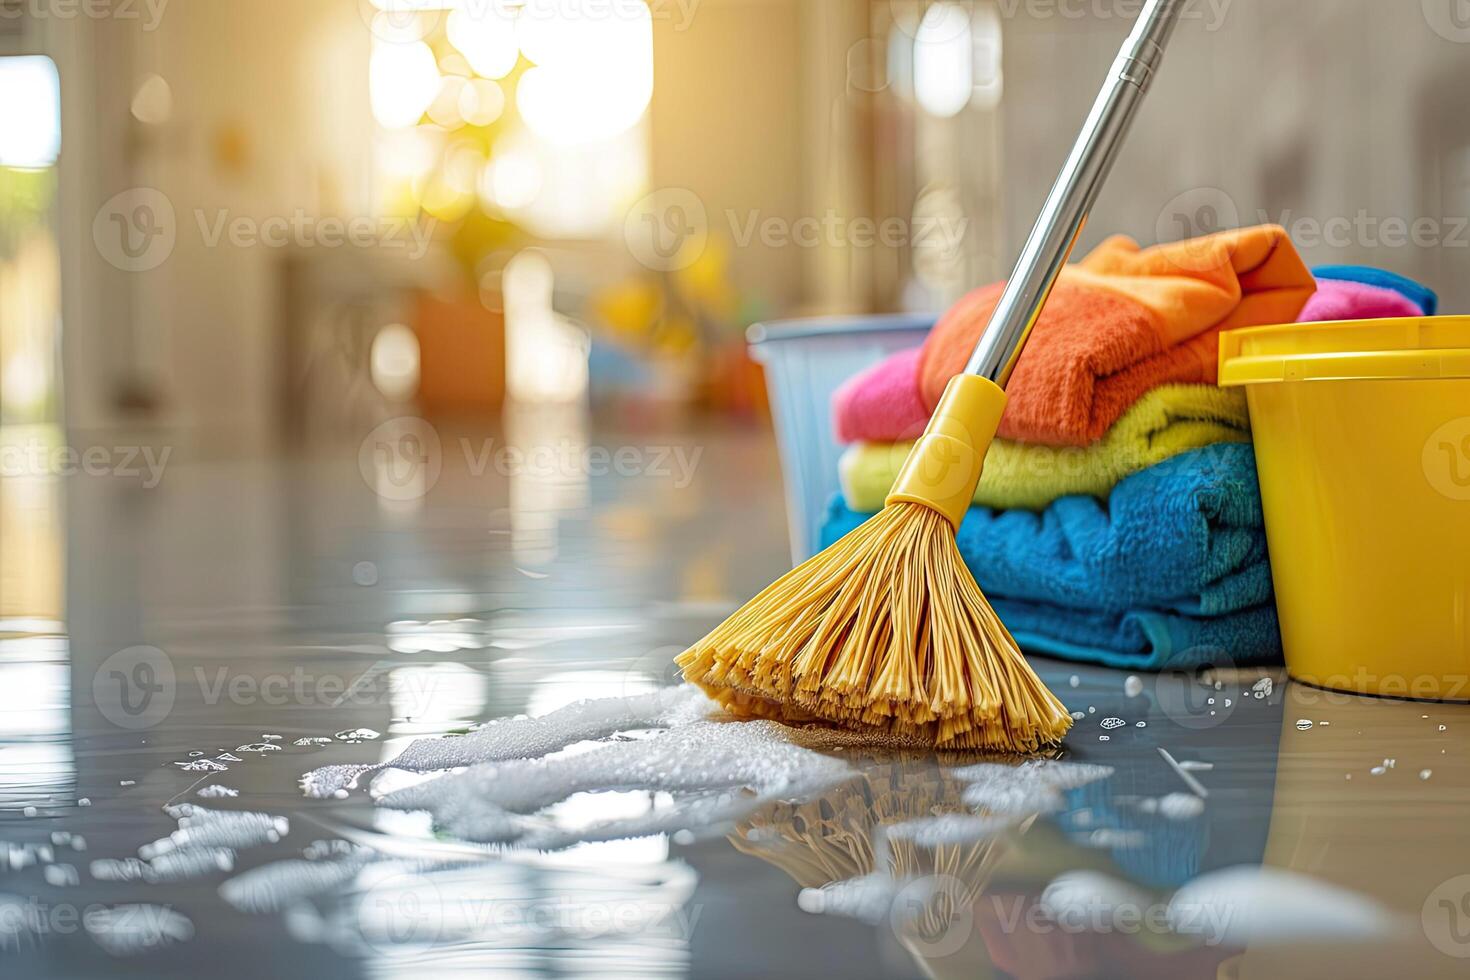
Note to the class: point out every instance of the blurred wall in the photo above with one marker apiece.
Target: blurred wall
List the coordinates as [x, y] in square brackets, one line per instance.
[269, 116]
[1307, 113]
[752, 111]
[1312, 113]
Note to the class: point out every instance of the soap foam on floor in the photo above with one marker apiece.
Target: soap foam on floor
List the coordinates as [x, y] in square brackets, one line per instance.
[206, 843]
[1260, 906]
[526, 738]
[948, 829]
[717, 771]
[512, 770]
[273, 887]
[1031, 787]
[201, 827]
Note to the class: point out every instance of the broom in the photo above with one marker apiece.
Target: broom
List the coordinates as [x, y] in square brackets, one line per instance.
[886, 631]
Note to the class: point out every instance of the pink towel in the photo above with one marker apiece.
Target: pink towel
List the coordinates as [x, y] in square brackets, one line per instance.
[882, 404]
[1337, 299]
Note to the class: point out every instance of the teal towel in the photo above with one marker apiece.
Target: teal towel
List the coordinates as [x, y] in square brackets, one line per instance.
[1172, 570]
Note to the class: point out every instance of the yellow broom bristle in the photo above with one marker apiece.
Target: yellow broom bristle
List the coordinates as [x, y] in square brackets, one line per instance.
[885, 631]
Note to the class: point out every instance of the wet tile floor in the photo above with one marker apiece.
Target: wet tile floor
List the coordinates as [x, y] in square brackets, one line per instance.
[246, 622]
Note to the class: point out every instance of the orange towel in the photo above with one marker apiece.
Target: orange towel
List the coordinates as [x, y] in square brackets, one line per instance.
[1122, 322]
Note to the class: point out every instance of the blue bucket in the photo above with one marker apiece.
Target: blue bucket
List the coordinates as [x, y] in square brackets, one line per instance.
[806, 361]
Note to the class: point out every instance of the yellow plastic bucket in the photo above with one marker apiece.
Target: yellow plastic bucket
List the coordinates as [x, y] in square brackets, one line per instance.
[1362, 437]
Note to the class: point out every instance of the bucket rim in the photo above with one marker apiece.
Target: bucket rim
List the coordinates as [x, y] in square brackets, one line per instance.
[806, 328]
[1401, 348]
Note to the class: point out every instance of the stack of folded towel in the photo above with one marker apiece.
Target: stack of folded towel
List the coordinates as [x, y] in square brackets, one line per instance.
[1119, 519]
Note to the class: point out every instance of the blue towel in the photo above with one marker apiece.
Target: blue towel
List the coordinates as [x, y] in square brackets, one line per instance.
[1171, 571]
[1186, 536]
[1145, 639]
[1416, 293]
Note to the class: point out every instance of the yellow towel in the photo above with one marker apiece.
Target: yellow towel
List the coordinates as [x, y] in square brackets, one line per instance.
[1165, 422]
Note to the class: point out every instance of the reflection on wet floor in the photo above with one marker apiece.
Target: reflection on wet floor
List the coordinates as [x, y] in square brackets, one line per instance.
[158, 714]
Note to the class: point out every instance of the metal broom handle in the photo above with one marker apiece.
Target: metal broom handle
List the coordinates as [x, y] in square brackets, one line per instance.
[1072, 197]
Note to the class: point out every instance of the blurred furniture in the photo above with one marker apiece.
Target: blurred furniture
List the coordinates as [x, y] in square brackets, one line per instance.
[461, 356]
[333, 305]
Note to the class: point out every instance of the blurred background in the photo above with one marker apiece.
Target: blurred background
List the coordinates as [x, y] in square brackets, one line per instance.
[281, 281]
[259, 229]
